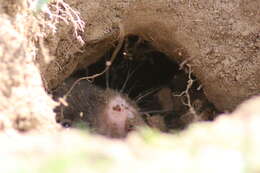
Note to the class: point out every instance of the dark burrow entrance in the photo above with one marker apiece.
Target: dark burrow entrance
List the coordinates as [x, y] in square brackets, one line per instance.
[170, 98]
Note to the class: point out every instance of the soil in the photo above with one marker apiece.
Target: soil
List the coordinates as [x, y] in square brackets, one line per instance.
[215, 43]
[220, 40]
[197, 58]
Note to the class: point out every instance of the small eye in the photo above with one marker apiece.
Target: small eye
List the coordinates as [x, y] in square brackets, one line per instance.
[130, 128]
[66, 123]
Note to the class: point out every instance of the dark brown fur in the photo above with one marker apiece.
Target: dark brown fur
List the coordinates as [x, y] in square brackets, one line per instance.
[107, 111]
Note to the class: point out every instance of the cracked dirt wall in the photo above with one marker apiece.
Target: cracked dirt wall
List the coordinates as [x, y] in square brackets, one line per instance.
[24, 104]
[219, 39]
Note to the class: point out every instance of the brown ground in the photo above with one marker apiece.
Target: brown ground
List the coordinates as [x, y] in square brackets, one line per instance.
[217, 41]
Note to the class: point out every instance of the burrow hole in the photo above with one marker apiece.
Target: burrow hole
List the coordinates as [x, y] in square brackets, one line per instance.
[156, 83]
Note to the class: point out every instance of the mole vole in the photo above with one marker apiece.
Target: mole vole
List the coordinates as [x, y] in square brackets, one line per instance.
[107, 111]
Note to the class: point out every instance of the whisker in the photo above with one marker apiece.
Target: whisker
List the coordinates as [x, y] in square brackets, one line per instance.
[108, 64]
[124, 85]
[145, 94]
[121, 65]
[107, 78]
[156, 111]
[135, 85]
[129, 75]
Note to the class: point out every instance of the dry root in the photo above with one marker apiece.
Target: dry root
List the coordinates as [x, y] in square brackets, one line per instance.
[187, 95]
[58, 11]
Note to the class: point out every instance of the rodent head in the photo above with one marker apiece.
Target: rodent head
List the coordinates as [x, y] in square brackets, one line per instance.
[119, 117]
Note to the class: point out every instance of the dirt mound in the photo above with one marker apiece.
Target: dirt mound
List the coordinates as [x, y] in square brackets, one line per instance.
[25, 104]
